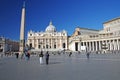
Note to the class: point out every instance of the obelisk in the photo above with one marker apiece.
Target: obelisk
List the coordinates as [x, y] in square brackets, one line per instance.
[22, 30]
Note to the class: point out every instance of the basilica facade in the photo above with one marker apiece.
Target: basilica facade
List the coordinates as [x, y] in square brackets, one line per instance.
[49, 40]
[83, 39]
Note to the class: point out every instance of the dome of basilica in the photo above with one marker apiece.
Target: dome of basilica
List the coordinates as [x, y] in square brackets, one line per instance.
[50, 28]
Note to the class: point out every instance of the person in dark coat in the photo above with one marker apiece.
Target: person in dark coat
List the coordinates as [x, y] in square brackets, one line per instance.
[88, 55]
[70, 54]
[47, 57]
[28, 55]
[17, 55]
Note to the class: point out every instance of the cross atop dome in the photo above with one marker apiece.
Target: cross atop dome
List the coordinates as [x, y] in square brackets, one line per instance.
[50, 23]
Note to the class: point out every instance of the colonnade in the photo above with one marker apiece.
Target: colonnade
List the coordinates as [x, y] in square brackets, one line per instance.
[109, 45]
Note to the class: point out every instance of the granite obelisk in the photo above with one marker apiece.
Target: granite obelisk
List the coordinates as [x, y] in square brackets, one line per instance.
[22, 30]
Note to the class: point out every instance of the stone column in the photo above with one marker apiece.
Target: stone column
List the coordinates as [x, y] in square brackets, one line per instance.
[110, 45]
[43, 43]
[96, 46]
[118, 44]
[48, 43]
[62, 42]
[99, 46]
[56, 43]
[36, 44]
[106, 44]
[79, 46]
[66, 43]
[33, 42]
[113, 44]
[86, 46]
[83, 43]
[93, 46]
[90, 46]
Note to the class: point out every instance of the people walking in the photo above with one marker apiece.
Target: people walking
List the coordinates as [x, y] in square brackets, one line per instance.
[28, 55]
[17, 55]
[88, 55]
[41, 57]
[47, 57]
[70, 54]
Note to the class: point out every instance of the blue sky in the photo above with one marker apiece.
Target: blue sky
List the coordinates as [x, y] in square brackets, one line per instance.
[65, 14]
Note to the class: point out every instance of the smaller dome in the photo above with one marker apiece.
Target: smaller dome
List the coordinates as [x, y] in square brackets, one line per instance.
[50, 28]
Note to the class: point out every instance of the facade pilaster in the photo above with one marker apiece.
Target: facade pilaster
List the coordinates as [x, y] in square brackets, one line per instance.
[36, 44]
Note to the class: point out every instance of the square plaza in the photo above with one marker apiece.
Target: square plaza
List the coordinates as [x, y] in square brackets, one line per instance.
[62, 67]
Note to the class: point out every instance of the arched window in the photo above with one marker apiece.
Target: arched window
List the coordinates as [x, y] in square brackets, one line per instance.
[39, 46]
[55, 46]
[47, 46]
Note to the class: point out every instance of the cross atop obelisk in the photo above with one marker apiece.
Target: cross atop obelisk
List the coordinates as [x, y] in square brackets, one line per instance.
[22, 30]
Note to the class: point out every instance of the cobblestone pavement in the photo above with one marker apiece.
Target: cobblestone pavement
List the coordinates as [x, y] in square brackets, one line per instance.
[62, 67]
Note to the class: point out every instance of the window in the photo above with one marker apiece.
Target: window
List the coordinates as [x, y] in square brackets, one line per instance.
[81, 43]
[64, 45]
[30, 34]
[55, 46]
[30, 45]
[39, 46]
[47, 46]
[78, 33]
